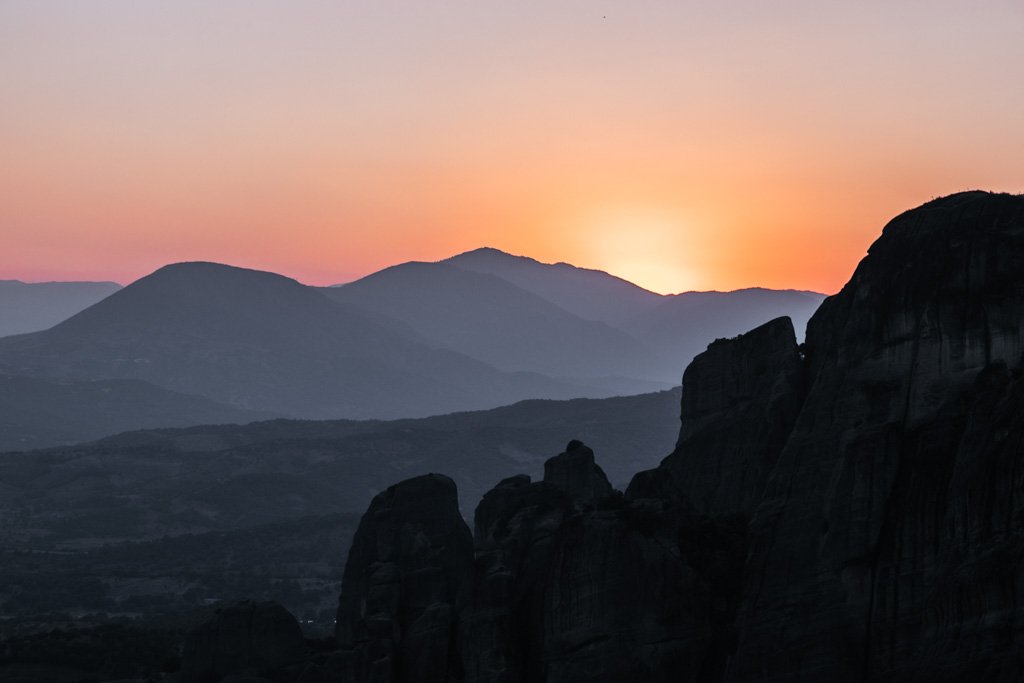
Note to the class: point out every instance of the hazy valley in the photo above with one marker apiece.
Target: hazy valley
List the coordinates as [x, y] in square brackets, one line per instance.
[198, 343]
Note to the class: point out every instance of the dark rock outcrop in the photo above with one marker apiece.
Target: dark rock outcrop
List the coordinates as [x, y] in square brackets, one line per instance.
[851, 513]
[740, 400]
[570, 582]
[247, 639]
[406, 579]
[575, 472]
[888, 542]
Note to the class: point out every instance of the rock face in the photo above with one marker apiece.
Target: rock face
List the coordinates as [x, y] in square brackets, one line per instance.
[243, 639]
[851, 511]
[570, 582]
[740, 400]
[888, 542]
[406, 579]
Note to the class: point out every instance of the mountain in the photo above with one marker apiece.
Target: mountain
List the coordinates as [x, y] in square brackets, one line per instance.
[590, 294]
[39, 413]
[30, 307]
[490, 319]
[412, 340]
[848, 510]
[675, 327]
[259, 341]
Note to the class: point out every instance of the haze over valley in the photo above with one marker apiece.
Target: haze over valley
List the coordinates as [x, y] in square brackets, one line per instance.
[199, 343]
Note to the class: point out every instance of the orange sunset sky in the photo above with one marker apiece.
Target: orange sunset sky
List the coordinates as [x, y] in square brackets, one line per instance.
[681, 145]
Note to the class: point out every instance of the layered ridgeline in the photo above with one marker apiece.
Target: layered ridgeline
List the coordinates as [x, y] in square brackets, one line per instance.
[207, 343]
[33, 306]
[499, 323]
[845, 511]
[39, 412]
[559, 320]
[676, 327]
[260, 341]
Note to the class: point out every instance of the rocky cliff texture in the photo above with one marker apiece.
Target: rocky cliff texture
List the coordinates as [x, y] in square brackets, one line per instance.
[851, 511]
[888, 543]
[570, 582]
[740, 400]
[406, 580]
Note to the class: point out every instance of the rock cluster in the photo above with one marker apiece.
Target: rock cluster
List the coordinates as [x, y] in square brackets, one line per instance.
[568, 582]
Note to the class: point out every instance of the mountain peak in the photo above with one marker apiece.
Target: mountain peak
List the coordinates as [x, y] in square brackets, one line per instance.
[209, 269]
[484, 255]
[490, 253]
[592, 294]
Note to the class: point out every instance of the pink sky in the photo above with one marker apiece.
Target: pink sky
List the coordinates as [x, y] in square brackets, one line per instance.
[680, 145]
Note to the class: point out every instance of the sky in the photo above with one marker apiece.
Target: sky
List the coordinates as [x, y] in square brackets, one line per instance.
[681, 145]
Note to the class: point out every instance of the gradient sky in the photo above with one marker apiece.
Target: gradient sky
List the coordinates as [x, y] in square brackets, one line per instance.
[682, 145]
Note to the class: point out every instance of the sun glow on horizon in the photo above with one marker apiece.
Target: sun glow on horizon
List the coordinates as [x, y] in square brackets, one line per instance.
[639, 244]
[719, 147]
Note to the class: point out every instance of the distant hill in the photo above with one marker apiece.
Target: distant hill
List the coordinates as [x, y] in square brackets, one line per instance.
[476, 331]
[30, 307]
[260, 341]
[682, 325]
[676, 327]
[40, 413]
[493, 320]
[515, 312]
[148, 484]
[590, 294]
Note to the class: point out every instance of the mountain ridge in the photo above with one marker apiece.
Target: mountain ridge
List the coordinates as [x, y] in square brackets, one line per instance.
[491, 319]
[262, 341]
[460, 338]
[27, 307]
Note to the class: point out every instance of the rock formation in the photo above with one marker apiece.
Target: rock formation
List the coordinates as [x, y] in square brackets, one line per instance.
[575, 472]
[406, 579]
[740, 400]
[888, 542]
[849, 511]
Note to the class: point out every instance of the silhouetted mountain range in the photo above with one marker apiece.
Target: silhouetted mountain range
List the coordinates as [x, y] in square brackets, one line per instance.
[478, 330]
[672, 327]
[682, 325]
[490, 319]
[30, 307]
[260, 341]
[590, 294]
